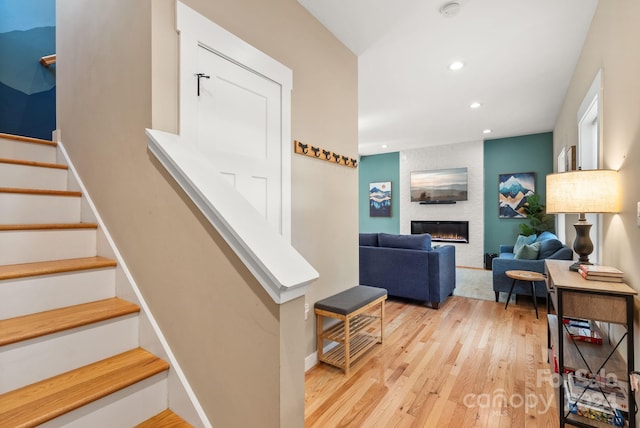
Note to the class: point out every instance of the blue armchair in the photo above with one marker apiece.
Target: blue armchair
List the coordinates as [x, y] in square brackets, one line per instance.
[549, 248]
[406, 266]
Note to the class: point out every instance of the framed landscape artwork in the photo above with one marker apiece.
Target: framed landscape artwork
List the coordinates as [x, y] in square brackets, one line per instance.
[438, 186]
[513, 190]
[380, 199]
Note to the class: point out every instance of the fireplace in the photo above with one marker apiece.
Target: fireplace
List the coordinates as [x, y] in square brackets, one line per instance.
[444, 231]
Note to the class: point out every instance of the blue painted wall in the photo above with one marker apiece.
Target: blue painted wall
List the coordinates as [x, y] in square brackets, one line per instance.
[376, 168]
[528, 153]
[27, 89]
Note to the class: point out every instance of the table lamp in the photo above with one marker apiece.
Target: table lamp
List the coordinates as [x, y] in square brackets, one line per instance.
[583, 191]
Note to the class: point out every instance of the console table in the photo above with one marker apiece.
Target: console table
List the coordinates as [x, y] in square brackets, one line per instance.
[572, 296]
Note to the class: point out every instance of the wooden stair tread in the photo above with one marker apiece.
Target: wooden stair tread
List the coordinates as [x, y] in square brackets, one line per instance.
[165, 419]
[32, 163]
[23, 270]
[48, 226]
[42, 401]
[41, 191]
[28, 139]
[26, 327]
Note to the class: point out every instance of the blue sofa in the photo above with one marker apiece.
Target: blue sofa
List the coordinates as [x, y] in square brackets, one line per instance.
[407, 266]
[549, 247]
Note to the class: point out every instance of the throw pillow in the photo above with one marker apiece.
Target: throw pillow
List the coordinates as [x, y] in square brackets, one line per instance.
[409, 242]
[522, 241]
[545, 235]
[528, 252]
[369, 239]
[548, 247]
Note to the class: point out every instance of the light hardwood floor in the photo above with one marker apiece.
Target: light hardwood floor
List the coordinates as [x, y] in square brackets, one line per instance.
[469, 364]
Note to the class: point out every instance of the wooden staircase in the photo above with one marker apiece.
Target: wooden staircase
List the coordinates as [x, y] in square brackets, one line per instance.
[69, 348]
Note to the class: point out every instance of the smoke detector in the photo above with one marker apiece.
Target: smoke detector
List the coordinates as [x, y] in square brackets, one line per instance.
[450, 9]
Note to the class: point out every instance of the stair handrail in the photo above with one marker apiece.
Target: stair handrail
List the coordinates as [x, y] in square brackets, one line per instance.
[277, 266]
[47, 60]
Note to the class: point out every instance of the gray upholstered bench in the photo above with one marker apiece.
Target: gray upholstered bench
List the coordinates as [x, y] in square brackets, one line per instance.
[355, 308]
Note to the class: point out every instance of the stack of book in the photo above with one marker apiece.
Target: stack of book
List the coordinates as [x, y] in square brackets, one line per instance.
[601, 400]
[582, 330]
[600, 273]
[566, 369]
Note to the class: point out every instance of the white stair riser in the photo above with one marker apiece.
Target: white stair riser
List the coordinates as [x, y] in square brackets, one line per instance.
[19, 208]
[33, 360]
[125, 408]
[27, 246]
[41, 358]
[32, 177]
[19, 150]
[29, 295]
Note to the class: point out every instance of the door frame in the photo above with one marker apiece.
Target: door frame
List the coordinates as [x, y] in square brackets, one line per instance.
[589, 156]
[197, 31]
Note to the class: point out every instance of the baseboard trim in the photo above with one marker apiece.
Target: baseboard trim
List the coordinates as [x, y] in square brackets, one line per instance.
[471, 267]
[312, 359]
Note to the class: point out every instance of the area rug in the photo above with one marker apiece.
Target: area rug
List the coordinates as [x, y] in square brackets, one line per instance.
[476, 284]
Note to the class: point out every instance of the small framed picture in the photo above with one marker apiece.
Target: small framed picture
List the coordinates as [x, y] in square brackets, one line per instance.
[380, 199]
[570, 158]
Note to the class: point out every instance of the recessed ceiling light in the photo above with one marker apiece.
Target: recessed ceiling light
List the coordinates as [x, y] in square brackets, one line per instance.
[384, 146]
[475, 104]
[487, 131]
[450, 9]
[456, 65]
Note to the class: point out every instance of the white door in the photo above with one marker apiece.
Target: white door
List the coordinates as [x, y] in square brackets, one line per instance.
[238, 130]
[241, 120]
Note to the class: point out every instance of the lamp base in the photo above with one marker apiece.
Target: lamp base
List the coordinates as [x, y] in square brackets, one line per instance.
[574, 267]
[582, 245]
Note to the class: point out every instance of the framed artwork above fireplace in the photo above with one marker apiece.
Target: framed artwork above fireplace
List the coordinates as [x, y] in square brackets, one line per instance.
[440, 186]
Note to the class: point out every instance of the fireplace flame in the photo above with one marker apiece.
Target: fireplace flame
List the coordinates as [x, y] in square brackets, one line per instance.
[445, 231]
[448, 237]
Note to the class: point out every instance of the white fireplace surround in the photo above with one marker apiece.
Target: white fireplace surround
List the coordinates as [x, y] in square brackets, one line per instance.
[460, 155]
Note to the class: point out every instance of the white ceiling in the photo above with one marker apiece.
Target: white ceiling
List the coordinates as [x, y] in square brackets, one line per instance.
[519, 57]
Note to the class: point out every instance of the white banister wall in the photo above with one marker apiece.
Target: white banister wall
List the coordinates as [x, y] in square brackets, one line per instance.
[277, 266]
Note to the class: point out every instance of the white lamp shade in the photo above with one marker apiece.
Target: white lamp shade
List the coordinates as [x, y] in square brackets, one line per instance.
[584, 191]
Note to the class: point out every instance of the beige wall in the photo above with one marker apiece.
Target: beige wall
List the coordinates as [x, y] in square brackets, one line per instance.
[324, 114]
[117, 74]
[612, 45]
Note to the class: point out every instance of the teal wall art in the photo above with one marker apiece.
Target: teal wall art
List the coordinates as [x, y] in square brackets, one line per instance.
[27, 88]
[531, 154]
[379, 169]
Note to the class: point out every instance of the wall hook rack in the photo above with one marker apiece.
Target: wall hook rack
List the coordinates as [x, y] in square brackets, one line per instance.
[326, 155]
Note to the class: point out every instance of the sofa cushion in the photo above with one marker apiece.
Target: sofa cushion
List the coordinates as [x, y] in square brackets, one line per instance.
[369, 239]
[545, 235]
[409, 242]
[548, 247]
[350, 300]
[528, 252]
[522, 241]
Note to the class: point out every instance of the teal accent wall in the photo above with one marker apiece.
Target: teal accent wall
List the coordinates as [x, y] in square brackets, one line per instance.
[528, 153]
[27, 89]
[375, 168]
